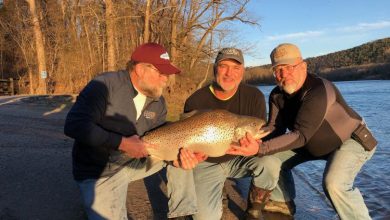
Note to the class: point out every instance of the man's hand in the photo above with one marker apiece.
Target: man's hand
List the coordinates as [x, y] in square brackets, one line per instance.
[188, 160]
[133, 146]
[248, 146]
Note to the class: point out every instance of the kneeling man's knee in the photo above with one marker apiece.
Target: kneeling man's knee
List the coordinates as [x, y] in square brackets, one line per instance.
[334, 185]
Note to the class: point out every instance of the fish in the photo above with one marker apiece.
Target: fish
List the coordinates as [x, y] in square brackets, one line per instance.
[210, 132]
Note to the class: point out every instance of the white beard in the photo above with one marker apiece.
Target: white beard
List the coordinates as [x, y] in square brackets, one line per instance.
[289, 88]
[150, 91]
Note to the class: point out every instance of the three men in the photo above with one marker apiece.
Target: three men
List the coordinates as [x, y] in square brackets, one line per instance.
[308, 118]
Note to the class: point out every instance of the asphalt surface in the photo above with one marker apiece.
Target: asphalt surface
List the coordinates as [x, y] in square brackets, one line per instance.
[36, 180]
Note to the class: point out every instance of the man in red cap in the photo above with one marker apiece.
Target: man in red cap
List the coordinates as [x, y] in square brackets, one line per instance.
[110, 114]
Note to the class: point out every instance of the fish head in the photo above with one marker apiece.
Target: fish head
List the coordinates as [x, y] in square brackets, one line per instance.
[251, 125]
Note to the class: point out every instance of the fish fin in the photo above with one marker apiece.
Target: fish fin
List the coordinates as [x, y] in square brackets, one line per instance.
[151, 161]
[188, 114]
[193, 112]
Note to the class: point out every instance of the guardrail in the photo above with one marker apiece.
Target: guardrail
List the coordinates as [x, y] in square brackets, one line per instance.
[7, 87]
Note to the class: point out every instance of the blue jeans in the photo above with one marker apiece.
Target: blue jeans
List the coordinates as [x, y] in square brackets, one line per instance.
[341, 168]
[105, 198]
[209, 178]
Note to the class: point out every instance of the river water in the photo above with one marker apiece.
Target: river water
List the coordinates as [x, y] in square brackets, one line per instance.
[371, 99]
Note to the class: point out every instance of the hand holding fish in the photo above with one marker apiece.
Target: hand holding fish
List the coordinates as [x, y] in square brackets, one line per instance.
[248, 146]
[188, 160]
[133, 146]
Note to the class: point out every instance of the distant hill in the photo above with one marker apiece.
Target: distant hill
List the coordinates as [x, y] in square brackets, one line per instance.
[367, 61]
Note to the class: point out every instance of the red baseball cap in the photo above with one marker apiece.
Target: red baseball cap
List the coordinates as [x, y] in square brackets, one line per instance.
[156, 55]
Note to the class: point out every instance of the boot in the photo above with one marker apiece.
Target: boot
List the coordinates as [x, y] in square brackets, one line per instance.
[257, 199]
[225, 199]
[286, 208]
[187, 217]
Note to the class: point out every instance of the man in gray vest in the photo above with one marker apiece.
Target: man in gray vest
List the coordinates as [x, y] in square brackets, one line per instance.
[110, 114]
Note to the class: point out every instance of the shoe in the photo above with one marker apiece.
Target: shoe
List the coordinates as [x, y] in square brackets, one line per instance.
[257, 199]
[187, 217]
[286, 208]
[225, 199]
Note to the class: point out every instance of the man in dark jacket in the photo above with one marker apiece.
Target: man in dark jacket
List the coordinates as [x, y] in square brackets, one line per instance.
[310, 120]
[110, 114]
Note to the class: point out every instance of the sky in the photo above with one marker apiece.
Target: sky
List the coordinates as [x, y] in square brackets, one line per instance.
[316, 27]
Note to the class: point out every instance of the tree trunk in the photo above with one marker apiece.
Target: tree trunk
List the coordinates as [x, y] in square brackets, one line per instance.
[200, 85]
[39, 47]
[147, 22]
[30, 78]
[173, 48]
[87, 36]
[110, 31]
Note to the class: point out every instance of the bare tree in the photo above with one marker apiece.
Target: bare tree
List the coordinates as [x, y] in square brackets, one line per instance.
[40, 49]
[176, 8]
[220, 15]
[13, 28]
[147, 21]
[110, 30]
[75, 39]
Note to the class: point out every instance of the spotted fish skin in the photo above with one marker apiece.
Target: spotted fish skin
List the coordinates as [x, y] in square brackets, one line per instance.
[209, 132]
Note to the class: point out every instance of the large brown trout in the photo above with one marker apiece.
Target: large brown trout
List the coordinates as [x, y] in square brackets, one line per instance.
[209, 132]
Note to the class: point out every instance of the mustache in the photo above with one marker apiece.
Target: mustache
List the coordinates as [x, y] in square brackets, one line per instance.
[280, 82]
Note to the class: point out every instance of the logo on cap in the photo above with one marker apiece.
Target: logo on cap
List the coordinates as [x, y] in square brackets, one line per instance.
[280, 53]
[164, 56]
[285, 53]
[231, 51]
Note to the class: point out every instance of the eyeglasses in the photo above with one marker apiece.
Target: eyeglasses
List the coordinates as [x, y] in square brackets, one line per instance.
[278, 70]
